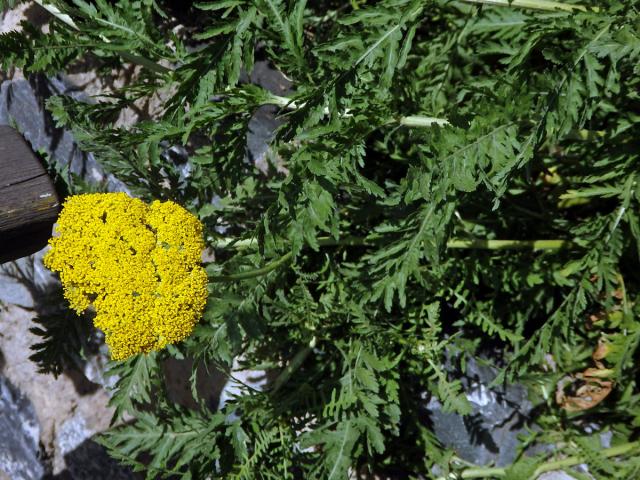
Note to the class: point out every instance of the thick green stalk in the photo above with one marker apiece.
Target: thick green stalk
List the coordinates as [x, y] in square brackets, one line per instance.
[547, 5]
[414, 121]
[322, 241]
[408, 121]
[422, 121]
[508, 244]
[478, 244]
[253, 273]
[488, 472]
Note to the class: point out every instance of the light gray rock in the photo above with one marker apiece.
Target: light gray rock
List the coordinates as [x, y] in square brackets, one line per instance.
[256, 379]
[264, 123]
[24, 281]
[19, 435]
[262, 127]
[71, 434]
[69, 409]
[84, 458]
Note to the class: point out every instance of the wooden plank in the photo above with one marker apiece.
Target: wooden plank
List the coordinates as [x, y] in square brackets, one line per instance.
[28, 201]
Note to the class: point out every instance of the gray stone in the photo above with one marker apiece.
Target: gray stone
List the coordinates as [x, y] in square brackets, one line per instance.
[24, 281]
[265, 75]
[489, 434]
[255, 379]
[22, 105]
[84, 458]
[89, 460]
[264, 122]
[262, 127]
[19, 435]
[71, 434]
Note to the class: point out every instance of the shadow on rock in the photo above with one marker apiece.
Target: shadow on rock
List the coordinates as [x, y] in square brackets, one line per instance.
[63, 334]
[489, 434]
[210, 383]
[90, 460]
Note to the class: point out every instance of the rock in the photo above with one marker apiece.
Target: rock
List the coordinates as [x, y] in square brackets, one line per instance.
[269, 78]
[76, 402]
[89, 460]
[83, 457]
[262, 127]
[177, 376]
[23, 11]
[264, 122]
[489, 434]
[255, 379]
[71, 434]
[25, 280]
[19, 435]
[22, 106]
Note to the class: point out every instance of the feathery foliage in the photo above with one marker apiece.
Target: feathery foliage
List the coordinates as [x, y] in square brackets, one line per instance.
[449, 180]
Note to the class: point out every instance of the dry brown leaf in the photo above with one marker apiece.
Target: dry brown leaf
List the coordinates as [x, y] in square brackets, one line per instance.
[589, 390]
[601, 351]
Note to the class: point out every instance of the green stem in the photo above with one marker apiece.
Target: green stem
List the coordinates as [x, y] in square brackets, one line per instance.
[322, 241]
[408, 121]
[488, 472]
[508, 244]
[293, 365]
[253, 273]
[477, 244]
[547, 5]
[422, 121]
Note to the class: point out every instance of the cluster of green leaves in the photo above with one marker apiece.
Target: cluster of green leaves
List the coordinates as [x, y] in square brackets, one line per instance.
[417, 135]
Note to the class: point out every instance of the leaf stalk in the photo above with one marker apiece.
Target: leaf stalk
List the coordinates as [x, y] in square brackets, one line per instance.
[472, 244]
[546, 5]
[253, 273]
[455, 243]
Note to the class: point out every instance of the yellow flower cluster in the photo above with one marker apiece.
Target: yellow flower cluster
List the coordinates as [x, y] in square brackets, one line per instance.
[137, 264]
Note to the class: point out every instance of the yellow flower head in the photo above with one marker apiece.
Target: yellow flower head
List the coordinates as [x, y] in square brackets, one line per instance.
[138, 264]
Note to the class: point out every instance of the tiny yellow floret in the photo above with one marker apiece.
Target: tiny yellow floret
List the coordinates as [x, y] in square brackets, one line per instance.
[137, 264]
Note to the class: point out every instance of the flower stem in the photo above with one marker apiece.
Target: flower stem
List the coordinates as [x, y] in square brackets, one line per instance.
[408, 121]
[253, 273]
[350, 241]
[508, 244]
[422, 121]
[547, 5]
[477, 244]
[488, 472]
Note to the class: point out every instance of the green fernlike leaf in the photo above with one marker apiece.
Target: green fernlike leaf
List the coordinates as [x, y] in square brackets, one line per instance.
[388, 190]
[185, 445]
[135, 379]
